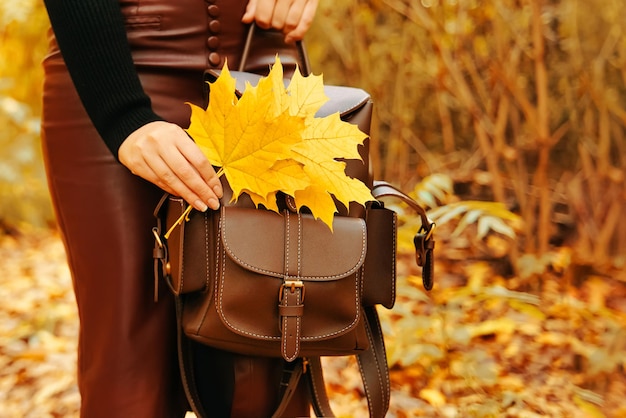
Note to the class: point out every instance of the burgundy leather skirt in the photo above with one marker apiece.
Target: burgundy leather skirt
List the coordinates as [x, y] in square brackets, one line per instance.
[127, 357]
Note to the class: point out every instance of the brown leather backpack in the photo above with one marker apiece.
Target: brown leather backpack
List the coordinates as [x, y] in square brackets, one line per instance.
[262, 283]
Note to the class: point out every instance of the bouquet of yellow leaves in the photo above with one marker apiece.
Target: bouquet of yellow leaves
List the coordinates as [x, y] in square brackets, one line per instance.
[269, 141]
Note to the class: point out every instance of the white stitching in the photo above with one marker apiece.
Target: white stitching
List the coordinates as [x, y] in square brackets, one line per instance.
[221, 297]
[380, 379]
[299, 245]
[208, 306]
[287, 242]
[181, 252]
[393, 258]
[181, 286]
[285, 331]
[207, 255]
[312, 278]
[270, 337]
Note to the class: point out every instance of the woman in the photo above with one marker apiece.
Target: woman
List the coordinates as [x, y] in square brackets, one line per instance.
[117, 77]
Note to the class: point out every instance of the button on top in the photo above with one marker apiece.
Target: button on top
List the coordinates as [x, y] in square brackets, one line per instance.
[213, 42]
[214, 59]
[214, 11]
[215, 26]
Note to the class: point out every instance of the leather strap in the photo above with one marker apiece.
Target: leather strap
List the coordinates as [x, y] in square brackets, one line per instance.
[383, 189]
[373, 368]
[292, 372]
[292, 291]
[159, 253]
[423, 240]
[317, 389]
[305, 65]
[185, 363]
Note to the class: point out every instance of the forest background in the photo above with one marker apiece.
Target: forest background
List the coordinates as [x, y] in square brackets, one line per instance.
[506, 118]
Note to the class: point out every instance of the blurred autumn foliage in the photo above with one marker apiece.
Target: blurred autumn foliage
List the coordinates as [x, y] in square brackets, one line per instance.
[519, 102]
[22, 178]
[506, 118]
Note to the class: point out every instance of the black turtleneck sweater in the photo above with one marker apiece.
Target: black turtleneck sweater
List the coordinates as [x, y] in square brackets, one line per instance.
[92, 39]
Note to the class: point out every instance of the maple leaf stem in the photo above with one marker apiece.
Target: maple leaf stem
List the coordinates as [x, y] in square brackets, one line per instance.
[184, 217]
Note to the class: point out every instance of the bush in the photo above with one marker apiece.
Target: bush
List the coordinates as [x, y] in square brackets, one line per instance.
[25, 198]
[523, 103]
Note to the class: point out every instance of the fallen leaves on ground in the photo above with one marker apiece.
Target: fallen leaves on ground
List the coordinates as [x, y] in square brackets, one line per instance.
[38, 329]
[477, 345]
[474, 348]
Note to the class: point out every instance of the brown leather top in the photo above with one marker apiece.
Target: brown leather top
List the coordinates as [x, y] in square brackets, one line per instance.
[165, 37]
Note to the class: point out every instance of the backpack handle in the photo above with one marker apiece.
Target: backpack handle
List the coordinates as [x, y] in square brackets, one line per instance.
[305, 65]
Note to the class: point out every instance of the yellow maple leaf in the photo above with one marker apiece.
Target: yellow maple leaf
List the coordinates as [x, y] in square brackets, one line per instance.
[317, 197]
[270, 141]
[286, 176]
[244, 137]
[268, 202]
[306, 95]
[202, 121]
[324, 140]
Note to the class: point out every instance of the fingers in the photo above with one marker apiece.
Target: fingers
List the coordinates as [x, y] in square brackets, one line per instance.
[163, 154]
[175, 172]
[202, 166]
[248, 16]
[274, 13]
[292, 17]
[297, 25]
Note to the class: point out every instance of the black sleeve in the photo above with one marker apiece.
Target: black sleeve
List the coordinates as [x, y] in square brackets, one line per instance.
[92, 39]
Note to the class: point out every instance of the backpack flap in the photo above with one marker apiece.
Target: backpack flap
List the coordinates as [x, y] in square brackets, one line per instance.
[288, 278]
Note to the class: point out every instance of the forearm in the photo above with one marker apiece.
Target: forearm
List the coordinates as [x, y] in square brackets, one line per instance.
[92, 39]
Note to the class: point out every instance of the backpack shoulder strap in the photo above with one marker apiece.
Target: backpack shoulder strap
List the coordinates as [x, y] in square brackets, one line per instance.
[372, 366]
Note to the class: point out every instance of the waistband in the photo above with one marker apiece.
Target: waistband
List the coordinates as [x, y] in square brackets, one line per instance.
[195, 35]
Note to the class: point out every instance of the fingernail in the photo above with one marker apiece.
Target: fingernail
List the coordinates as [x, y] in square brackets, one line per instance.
[199, 205]
[218, 191]
[214, 204]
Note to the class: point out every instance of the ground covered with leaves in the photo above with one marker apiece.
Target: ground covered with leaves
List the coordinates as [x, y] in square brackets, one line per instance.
[478, 345]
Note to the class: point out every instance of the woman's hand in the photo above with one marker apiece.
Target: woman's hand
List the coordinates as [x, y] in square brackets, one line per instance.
[163, 154]
[292, 17]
